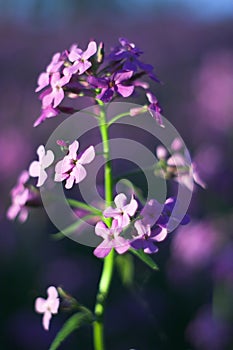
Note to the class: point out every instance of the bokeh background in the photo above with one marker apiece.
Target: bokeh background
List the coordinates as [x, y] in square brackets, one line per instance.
[188, 304]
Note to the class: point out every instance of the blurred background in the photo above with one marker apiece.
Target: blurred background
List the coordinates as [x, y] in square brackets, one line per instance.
[188, 304]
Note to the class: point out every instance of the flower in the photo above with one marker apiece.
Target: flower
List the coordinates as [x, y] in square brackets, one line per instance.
[48, 306]
[47, 112]
[112, 84]
[19, 196]
[80, 59]
[56, 94]
[53, 67]
[147, 238]
[154, 108]
[123, 211]
[71, 168]
[112, 239]
[37, 168]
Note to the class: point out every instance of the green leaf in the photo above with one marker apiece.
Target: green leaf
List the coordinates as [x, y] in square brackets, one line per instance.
[74, 322]
[125, 267]
[145, 258]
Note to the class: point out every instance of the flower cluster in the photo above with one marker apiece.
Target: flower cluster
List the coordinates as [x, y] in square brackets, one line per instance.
[74, 73]
[177, 166]
[146, 229]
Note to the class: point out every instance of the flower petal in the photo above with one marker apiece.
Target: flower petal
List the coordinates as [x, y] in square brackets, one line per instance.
[101, 230]
[40, 305]
[102, 250]
[46, 320]
[120, 200]
[48, 159]
[131, 208]
[79, 173]
[34, 169]
[42, 177]
[124, 90]
[88, 156]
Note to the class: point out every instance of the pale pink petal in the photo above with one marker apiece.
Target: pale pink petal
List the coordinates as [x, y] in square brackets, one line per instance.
[48, 159]
[23, 215]
[177, 144]
[40, 305]
[131, 208]
[121, 245]
[69, 182]
[34, 169]
[43, 81]
[161, 152]
[111, 213]
[101, 230]
[119, 77]
[141, 229]
[42, 177]
[176, 160]
[83, 67]
[79, 173]
[13, 211]
[88, 156]
[123, 220]
[90, 51]
[54, 305]
[120, 200]
[46, 320]
[73, 148]
[58, 167]
[52, 292]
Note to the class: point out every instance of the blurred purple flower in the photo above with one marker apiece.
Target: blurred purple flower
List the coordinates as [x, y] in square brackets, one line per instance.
[194, 246]
[19, 196]
[112, 239]
[207, 332]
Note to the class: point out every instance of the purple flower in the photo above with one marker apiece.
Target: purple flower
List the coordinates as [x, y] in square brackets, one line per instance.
[53, 67]
[129, 53]
[110, 85]
[154, 108]
[56, 95]
[48, 306]
[123, 211]
[19, 196]
[167, 213]
[47, 112]
[80, 59]
[146, 238]
[112, 239]
[37, 168]
[71, 168]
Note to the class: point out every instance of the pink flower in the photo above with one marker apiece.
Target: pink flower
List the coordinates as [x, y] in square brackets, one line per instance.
[19, 196]
[53, 67]
[71, 168]
[80, 59]
[56, 95]
[37, 168]
[112, 239]
[48, 306]
[123, 211]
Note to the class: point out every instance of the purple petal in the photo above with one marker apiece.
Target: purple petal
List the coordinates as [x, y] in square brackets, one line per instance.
[102, 250]
[106, 95]
[88, 156]
[121, 245]
[90, 51]
[101, 230]
[23, 215]
[122, 76]
[150, 247]
[124, 90]
[43, 81]
[83, 67]
[137, 243]
[161, 235]
[58, 97]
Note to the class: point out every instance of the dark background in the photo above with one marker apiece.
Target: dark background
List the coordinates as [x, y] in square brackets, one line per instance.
[188, 304]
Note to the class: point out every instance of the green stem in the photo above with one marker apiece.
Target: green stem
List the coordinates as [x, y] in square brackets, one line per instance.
[76, 204]
[107, 272]
[117, 117]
